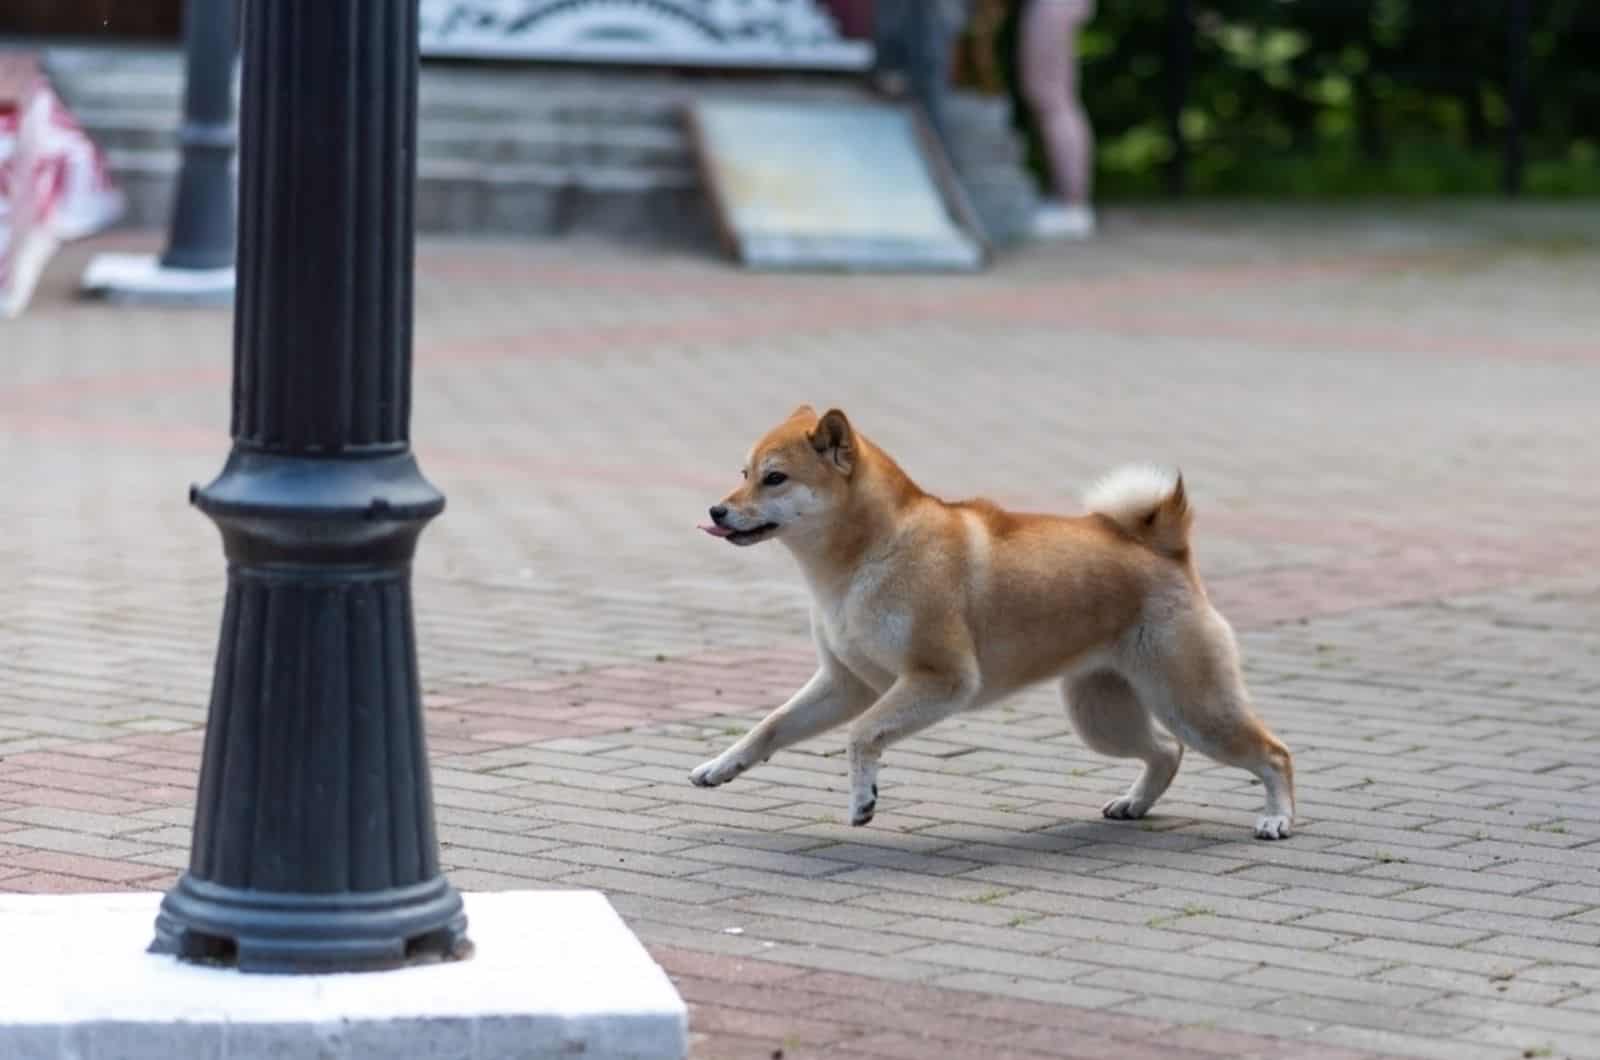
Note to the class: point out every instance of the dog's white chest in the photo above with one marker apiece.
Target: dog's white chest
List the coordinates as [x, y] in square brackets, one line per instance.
[866, 631]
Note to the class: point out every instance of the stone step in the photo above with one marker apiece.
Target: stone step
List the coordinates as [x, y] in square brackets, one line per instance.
[654, 203]
[567, 143]
[998, 153]
[1006, 214]
[988, 155]
[666, 208]
[434, 102]
[521, 140]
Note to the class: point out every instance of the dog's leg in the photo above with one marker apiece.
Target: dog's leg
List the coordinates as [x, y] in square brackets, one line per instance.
[1109, 718]
[1196, 689]
[1253, 747]
[831, 697]
[913, 702]
[1235, 737]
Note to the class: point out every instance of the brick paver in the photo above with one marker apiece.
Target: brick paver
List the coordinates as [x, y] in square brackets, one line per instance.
[1388, 427]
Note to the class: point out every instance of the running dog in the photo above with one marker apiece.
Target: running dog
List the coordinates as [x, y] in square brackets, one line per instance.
[924, 608]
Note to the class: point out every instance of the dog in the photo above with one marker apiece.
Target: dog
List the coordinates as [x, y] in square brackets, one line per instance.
[924, 608]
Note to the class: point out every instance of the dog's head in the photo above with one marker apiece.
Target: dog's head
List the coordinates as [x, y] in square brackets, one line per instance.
[796, 477]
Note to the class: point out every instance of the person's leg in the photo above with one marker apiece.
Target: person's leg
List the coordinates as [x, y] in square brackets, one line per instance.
[1049, 66]
[1074, 128]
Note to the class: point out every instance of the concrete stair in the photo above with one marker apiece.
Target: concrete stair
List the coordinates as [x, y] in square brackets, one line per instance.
[988, 156]
[527, 150]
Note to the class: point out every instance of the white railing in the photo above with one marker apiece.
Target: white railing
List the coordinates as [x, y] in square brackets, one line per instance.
[783, 34]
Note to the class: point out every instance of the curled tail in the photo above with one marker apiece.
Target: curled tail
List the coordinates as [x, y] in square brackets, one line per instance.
[1147, 502]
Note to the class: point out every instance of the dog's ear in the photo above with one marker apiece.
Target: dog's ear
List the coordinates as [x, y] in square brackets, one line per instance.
[835, 441]
[805, 411]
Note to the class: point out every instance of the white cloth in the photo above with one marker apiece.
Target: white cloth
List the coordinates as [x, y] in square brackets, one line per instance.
[54, 185]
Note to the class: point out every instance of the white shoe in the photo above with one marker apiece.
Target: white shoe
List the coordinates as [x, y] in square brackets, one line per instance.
[1055, 220]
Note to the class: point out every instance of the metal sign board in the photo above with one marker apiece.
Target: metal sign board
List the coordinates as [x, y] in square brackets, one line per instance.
[778, 34]
[841, 185]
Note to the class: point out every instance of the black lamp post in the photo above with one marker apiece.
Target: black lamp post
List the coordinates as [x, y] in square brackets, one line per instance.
[201, 236]
[197, 266]
[314, 846]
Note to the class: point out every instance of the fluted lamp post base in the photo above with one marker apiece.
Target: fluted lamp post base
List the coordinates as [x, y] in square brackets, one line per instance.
[269, 931]
[314, 842]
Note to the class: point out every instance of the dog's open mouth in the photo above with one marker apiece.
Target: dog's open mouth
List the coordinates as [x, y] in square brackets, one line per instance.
[741, 537]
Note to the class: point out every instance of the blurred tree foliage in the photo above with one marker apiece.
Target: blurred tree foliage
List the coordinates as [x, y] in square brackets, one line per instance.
[1326, 98]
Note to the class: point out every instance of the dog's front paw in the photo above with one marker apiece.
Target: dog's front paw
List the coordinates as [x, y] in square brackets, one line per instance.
[861, 811]
[1273, 826]
[1124, 808]
[715, 772]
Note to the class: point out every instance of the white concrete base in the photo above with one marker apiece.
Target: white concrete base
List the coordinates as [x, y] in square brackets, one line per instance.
[556, 974]
[141, 278]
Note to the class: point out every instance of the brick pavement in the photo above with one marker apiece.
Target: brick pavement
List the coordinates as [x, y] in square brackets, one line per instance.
[1388, 427]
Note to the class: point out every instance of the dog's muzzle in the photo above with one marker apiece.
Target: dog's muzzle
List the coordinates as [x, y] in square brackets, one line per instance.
[735, 535]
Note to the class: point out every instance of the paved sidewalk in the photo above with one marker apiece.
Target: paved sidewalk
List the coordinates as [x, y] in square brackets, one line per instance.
[1388, 428]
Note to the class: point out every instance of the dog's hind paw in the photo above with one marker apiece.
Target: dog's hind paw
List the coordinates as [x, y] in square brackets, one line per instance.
[1124, 808]
[1273, 826]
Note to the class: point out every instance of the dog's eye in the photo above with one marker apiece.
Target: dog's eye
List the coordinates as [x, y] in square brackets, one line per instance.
[774, 478]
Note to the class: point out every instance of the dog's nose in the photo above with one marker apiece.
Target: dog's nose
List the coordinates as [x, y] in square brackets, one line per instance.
[719, 513]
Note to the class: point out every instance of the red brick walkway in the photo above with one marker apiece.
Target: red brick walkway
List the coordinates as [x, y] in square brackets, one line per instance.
[1388, 428]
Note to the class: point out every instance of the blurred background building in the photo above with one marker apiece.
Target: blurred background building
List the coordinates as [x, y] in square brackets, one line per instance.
[557, 116]
[544, 117]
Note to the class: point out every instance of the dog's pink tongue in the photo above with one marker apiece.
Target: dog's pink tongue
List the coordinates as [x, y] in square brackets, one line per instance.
[717, 531]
